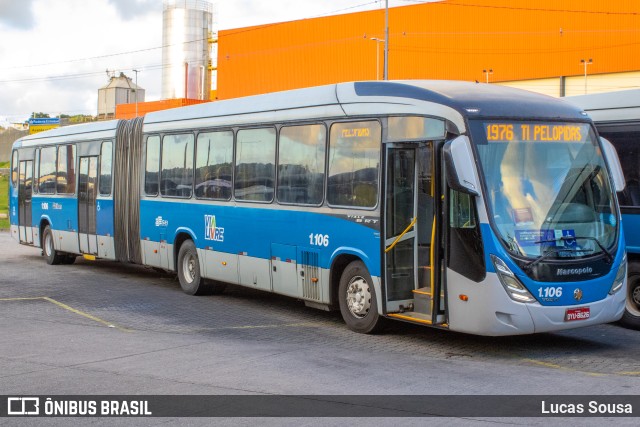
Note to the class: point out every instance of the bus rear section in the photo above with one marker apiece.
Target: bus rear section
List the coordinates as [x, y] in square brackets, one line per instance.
[61, 191]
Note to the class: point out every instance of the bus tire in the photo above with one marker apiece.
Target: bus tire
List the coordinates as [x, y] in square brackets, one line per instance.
[69, 259]
[191, 280]
[52, 256]
[357, 298]
[631, 317]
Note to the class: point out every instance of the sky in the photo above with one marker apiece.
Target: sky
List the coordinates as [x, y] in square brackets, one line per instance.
[54, 54]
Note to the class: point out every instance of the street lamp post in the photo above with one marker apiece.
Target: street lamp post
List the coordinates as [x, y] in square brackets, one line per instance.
[378, 41]
[385, 75]
[586, 62]
[136, 71]
[487, 72]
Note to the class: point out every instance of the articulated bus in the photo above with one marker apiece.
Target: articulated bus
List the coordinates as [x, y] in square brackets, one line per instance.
[469, 207]
[617, 118]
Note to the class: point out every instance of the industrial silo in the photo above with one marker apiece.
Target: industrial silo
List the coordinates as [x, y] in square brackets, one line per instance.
[186, 49]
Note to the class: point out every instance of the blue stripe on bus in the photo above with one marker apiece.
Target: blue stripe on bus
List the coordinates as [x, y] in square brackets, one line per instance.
[62, 213]
[252, 230]
[631, 234]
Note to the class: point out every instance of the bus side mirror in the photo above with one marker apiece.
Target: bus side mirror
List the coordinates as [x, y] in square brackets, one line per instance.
[459, 166]
[611, 156]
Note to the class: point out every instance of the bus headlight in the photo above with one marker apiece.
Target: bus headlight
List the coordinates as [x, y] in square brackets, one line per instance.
[619, 280]
[510, 282]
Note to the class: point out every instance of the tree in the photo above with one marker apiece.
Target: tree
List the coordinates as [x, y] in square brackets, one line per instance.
[35, 115]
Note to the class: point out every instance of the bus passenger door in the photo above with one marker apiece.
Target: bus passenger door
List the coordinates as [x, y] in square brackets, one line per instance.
[25, 189]
[87, 192]
[409, 231]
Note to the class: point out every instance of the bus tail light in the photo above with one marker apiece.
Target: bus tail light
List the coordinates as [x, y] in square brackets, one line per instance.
[619, 280]
[510, 282]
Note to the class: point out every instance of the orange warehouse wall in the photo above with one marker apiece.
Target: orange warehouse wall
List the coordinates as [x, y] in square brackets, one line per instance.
[128, 111]
[453, 39]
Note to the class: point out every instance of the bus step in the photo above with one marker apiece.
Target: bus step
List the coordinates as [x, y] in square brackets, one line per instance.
[413, 316]
[422, 301]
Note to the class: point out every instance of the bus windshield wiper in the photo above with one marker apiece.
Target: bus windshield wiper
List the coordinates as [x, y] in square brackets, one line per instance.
[531, 264]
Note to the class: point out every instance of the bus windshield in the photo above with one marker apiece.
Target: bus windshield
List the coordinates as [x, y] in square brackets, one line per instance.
[548, 189]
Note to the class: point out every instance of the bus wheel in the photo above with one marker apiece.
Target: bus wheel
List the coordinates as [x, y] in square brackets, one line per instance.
[631, 316]
[69, 259]
[357, 297]
[52, 256]
[191, 281]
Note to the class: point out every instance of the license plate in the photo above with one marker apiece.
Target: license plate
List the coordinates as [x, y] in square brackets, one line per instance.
[581, 313]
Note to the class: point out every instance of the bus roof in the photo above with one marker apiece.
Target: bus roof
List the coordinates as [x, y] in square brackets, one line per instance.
[453, 100]
[619, 106]
[93, 130]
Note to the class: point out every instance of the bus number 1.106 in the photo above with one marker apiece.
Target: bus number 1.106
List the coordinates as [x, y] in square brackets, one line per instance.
[319, 239]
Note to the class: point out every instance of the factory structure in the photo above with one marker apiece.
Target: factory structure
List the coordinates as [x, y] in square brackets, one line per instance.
[119, 90]
[557, 48]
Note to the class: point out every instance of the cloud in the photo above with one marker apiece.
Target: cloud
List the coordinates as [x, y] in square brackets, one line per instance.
[131, 9]
[17, 14]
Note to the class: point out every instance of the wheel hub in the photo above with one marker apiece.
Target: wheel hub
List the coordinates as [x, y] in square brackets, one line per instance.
[358, 297]
[48, 245]
[635, 296]
[189, 268]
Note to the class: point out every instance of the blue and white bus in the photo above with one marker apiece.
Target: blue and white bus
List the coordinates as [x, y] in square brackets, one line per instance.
[617, 118]
[469, 207]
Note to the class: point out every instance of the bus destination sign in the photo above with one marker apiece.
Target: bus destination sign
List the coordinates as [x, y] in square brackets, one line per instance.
[536, 132]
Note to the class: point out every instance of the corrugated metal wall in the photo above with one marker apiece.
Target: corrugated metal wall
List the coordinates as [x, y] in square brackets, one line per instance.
[453, 39]
[128, 111]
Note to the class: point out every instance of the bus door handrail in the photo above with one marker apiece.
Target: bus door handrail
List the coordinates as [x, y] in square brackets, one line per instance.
[406, 230]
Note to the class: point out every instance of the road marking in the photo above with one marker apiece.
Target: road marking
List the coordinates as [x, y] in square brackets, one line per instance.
[287, 325]
[282, 325]
[554, 366]
[594, 374]
[71, 309]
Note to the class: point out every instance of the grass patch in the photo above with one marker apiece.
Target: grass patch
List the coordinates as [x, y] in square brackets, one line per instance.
[4, 201]
[4, 165]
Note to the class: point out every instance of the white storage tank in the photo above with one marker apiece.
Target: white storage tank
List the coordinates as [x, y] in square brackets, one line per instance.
[187, 29]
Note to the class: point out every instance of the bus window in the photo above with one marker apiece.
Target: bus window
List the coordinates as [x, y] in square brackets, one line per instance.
[354, 163]
[177, 165]
[301, 157]
[106, 162]
[412, 127]
[66, 175]
[214, 165]
[14, 169]
[152, 168]
[465, 242]
[462, 211]
[47, 173]
[626, 144]
[255, 160]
